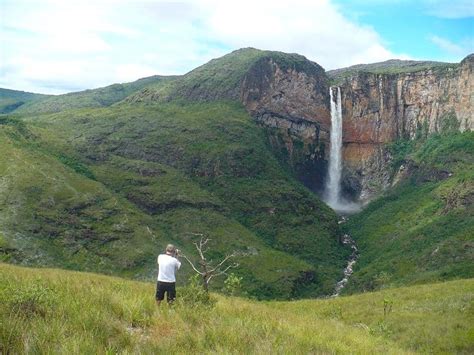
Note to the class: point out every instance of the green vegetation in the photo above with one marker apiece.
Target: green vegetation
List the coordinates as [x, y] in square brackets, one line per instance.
[216, 80]
[102, 179]
[105, 189]
[422, 230]
[91, 183]
[393, 66]
[42, 311]
[221, 78]
[10, 100]
[101, 97]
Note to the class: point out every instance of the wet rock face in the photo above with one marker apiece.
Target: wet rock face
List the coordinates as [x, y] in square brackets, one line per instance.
[381, 108]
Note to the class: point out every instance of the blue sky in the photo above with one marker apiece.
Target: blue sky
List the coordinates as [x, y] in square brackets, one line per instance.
[434, 30]
[58, 46]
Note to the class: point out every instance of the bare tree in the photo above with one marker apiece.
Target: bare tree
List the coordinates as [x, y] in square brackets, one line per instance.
[206, 268]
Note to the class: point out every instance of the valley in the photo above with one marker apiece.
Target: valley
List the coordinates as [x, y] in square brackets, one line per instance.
[239, 149]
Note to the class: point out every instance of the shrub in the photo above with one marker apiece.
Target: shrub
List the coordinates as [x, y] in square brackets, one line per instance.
[194, 295]
[232, 285]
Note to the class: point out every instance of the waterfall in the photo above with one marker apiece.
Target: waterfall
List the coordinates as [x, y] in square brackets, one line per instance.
[333, 187]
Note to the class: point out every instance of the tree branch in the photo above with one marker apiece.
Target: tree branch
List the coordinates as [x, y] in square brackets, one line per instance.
[223, 271]
[199, 247]
[192, 265]
[222, 262]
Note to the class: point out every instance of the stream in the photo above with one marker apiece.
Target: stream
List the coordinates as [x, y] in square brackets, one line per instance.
[347, 240]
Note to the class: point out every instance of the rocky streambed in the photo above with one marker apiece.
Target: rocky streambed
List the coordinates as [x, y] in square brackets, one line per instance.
[347, 241]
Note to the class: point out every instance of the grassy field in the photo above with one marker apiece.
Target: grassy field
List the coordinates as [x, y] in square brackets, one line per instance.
[55, 311]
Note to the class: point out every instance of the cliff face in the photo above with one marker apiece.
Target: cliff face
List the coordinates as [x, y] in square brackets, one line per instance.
[297, 94]
[381, 108]
[292, 102]
[289, 96]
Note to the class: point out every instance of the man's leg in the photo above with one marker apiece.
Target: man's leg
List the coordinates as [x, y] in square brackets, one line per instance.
[160, 293]
[171, 294]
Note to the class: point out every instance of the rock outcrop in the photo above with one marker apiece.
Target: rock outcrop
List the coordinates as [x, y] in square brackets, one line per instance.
[378, 108]
[381, 108]
[289, 95]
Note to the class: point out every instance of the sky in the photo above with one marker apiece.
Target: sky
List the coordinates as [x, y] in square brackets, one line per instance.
[59, 46]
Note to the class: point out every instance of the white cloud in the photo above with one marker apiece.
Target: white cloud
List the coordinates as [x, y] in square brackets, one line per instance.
[447, 45]
[450, 9]
[130, 72]
[313, 28]
[453, 50]
[86, 44]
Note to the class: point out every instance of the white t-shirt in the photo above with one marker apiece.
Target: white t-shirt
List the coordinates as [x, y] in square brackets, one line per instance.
[167, 266]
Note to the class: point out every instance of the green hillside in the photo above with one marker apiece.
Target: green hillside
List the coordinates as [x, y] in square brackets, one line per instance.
[220, 78]
[95, 182]
[423, 229]
[101, 97]
[392, 66]
[106, 189]
[216, 80]
[102, 180]
[43, 311]
[10, 100]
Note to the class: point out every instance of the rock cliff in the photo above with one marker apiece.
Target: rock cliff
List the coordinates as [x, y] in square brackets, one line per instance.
[381, 108]
[413, 99]
[285, 93]
[290, 97]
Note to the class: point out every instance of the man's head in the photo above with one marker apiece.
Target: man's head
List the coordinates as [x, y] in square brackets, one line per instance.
[170, 249]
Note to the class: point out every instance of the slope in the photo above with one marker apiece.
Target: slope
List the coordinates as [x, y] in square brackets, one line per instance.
[101, 97]
[423, 229]
[221, 78]
[176, 169]
[10, 100]
[44, 314]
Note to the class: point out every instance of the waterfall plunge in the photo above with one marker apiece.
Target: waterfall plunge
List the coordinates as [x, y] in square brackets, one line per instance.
[333, 187]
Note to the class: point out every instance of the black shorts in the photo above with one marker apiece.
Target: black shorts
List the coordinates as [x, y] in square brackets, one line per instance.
[169, 288]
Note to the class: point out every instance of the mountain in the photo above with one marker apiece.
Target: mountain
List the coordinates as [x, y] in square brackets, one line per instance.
[237, 149]
[58, 311]
[104, 189]
[382, 108]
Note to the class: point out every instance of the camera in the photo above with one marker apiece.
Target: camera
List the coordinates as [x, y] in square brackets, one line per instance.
[176, 252]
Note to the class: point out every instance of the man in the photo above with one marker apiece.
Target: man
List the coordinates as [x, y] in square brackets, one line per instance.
[168, 264]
